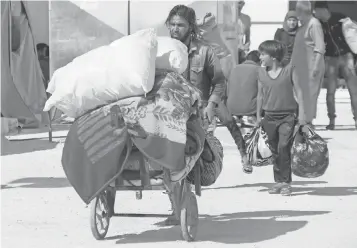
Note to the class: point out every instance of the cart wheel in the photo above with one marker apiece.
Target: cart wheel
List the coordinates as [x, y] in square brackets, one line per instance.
[100, 216]
[189, 217]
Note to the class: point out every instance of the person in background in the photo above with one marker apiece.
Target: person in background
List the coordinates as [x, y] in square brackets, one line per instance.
[43, 52]
[244, 24]
[286, 35]
[242, 91]
[236, 29]
[308, 58]
[338, 56]
[204, 70]
[276, 88]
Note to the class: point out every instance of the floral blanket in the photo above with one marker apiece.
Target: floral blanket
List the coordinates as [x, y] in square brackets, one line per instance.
[156, 123]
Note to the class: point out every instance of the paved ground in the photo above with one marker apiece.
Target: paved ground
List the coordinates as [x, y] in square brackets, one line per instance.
[39, 208]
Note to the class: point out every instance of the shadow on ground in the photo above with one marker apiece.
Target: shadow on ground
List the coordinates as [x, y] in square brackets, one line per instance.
[38, 182]
[236, 228]
[322, 128]
[299, 188]
[27, 146]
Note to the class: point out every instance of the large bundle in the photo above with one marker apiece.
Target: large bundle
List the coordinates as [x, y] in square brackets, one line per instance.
[349, 29]
[122, 69]
[309, 154]
[171, 55]
[158, 126]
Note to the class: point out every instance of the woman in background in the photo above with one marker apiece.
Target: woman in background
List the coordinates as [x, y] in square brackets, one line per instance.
[286, 35]
[308, 57]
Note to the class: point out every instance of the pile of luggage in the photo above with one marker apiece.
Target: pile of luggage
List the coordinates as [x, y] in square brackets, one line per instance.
[125, 68]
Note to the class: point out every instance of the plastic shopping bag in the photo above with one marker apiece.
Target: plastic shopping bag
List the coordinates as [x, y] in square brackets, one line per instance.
[309, 154]
[257, 147]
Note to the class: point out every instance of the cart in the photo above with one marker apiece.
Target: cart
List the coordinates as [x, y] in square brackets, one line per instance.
[185, 202]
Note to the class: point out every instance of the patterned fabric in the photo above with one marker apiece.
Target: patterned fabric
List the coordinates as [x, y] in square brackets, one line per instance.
[210, 162]
[157, 124]
[309, 155]
[257, 147]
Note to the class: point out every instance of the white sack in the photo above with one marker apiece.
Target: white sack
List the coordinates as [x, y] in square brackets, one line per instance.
[123, 69]
[349, 29]
[171, 55]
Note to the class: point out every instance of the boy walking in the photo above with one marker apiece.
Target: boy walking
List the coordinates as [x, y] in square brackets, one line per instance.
[276, 99]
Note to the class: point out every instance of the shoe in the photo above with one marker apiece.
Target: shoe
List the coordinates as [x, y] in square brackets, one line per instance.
[172, 220]
[276, 189]
[247, 168]
[330, 127]
[286, 190]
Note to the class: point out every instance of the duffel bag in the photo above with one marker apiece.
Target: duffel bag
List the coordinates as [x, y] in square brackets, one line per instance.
[210, 162]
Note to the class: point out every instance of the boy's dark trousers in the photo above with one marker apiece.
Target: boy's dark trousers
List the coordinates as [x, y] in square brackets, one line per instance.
[280, 130]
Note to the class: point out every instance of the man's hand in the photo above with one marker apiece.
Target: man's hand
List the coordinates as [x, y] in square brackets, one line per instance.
[208, 112]
[302, 121]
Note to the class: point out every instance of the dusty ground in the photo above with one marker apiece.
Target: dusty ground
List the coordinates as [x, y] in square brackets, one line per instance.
[39, 208]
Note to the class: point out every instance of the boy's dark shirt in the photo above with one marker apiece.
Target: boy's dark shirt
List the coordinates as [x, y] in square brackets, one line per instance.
[278, 93]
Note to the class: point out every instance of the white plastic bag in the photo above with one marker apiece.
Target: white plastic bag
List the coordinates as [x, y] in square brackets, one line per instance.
[123, 69]
[257, 149]
[349, 29]
[263, 147]
[171, 55]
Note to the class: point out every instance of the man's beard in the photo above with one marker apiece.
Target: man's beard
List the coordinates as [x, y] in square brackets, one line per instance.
[184, 38]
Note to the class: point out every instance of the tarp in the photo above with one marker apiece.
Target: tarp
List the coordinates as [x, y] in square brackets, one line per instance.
[22, 90]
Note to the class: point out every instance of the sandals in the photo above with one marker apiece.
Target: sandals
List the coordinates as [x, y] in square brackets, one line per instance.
[281, 188]
[247, 168]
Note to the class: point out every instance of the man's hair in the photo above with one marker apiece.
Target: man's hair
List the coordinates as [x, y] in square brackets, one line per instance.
[41, 46]
[273, 48]
[186, 12]
[254, 56]
[321, 5]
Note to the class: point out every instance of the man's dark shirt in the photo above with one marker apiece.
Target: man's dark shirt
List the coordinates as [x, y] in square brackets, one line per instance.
[205, 72]
[335, 41]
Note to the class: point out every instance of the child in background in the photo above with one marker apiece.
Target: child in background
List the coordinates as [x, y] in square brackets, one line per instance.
[276, 99]
[242, 91]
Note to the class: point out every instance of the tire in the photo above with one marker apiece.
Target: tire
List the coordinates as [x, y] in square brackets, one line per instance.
[100, 212]
[189, 217]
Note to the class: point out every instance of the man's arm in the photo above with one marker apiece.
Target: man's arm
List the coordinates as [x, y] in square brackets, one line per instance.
[218, 82]
[247, 33]
[317, 36]
[300, 98]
